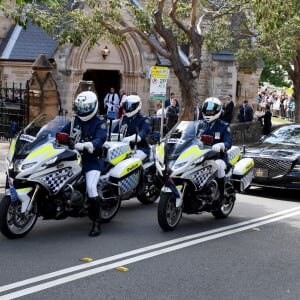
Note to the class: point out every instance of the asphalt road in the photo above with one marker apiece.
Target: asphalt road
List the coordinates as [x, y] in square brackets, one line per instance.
[253, 254]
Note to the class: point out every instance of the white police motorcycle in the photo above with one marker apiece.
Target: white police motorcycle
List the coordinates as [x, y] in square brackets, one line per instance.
[44, 178]
[186, 163]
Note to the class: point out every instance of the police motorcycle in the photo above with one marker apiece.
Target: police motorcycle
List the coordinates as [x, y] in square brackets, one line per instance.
[186, 162]
[44, 178]
[133, 177]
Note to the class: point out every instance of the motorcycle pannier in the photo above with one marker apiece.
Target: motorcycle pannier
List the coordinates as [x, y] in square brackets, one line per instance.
[242, 174]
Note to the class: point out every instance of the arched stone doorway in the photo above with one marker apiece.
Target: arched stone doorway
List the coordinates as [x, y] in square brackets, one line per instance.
[103, 80]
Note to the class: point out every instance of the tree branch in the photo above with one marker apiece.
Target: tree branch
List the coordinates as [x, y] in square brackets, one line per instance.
[176, 21]
[144, 36]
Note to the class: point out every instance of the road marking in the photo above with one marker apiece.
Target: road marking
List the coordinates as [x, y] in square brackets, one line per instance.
[177, 244]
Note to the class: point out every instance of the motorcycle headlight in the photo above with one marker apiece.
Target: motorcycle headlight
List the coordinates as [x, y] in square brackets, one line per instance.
[26, 166]
[296, 168]
[179, 165]
[50, 161]
[17, 165]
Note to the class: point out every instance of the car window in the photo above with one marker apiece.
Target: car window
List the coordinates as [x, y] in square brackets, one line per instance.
[286, 135]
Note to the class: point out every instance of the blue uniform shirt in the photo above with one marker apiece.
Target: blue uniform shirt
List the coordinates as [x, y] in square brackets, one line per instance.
[137, 124]
[220, 131]
[94, 131]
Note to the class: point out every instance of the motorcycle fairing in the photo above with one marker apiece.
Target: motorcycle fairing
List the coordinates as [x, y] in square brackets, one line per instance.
[37, 159]
[54, 178]
[11, 150]
[23, 197]
[190, 158]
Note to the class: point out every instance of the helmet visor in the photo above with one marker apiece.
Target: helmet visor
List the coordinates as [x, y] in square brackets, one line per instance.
[84, 109]
[210, 108]
[130, 106]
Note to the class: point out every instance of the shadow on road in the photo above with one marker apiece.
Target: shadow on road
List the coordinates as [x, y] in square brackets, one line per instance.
[279, 194]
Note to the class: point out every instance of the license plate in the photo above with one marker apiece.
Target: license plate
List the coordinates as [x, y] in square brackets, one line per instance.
[261, 172]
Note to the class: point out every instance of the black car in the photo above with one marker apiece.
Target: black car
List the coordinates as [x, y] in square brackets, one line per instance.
[277, 159]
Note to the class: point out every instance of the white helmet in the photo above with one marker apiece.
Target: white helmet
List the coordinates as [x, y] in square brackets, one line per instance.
[86, 105]
[211, 109]
[132, 105]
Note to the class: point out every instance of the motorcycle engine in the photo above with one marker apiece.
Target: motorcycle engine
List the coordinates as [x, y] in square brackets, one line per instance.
[210, 192]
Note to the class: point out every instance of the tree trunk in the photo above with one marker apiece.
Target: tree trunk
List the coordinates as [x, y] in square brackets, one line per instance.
[189, 87]
[297, 97]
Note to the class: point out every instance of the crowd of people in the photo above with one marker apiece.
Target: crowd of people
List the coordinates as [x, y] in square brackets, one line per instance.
[281, 105]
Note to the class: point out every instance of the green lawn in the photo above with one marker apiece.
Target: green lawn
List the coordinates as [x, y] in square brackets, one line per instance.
[281, 121]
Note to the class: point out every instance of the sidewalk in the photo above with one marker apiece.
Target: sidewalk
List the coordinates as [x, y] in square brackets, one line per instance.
[3, 153]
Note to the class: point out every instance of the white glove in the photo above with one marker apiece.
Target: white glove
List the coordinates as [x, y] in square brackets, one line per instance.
[89, 147]
[219, 147]
[131, 138]
[79, 146]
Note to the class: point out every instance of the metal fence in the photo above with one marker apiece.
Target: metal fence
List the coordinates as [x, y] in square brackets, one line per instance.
[14, 109]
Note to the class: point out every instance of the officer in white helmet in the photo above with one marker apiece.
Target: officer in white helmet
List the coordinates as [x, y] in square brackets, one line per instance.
[135, 126]
[93, 131]
[222, 140]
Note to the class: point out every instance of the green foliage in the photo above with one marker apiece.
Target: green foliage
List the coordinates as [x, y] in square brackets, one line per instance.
[273, 74]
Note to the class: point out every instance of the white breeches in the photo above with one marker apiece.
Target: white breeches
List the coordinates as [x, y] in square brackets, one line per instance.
[91, 178]
[221, 168]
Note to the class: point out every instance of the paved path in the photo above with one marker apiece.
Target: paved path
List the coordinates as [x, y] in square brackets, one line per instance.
[3, 153]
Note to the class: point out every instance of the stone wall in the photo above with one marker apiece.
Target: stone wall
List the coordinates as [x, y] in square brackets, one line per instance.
[247, 133]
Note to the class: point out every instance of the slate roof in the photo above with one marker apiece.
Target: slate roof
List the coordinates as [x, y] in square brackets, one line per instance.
[29, 44]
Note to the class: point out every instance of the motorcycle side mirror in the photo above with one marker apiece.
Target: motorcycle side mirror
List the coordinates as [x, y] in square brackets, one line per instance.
[206, 139]
[62, 137]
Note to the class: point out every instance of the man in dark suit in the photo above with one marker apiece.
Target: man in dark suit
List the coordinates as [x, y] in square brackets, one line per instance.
[228, 110]
[246, 113]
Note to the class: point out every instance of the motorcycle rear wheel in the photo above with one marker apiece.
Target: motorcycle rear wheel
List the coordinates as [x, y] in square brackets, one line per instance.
[14, 224]
[168, 214]
[224, 211]
[107, 213]
[150, 194]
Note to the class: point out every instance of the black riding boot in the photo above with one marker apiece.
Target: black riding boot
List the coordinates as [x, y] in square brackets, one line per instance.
[95, 214]
[221, 186]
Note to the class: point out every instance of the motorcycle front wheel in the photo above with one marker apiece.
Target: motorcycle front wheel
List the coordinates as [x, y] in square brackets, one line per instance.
[13, 223]
[168, 214]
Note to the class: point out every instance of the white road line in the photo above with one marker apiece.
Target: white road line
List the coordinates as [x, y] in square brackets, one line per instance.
[43, 286]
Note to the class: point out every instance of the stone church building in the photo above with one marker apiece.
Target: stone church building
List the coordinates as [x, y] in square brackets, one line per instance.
[122, 66]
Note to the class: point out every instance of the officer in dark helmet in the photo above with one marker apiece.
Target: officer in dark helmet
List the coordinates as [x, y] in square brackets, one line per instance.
[222, 140]
[93, 134]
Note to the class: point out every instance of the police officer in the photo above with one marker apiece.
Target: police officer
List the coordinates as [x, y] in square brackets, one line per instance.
[93, 135]
[135, 126]
[222, 140]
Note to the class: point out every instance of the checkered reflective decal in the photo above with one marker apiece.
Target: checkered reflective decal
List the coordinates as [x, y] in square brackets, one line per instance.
[200, 177]
[129, 182]
[115, 152]
[57, 179]
[232, 153]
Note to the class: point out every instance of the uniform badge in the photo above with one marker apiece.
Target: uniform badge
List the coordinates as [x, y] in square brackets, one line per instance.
[103, 126]
[217, 135]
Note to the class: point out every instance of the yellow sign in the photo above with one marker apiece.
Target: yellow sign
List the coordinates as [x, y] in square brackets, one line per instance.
[158, 84]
